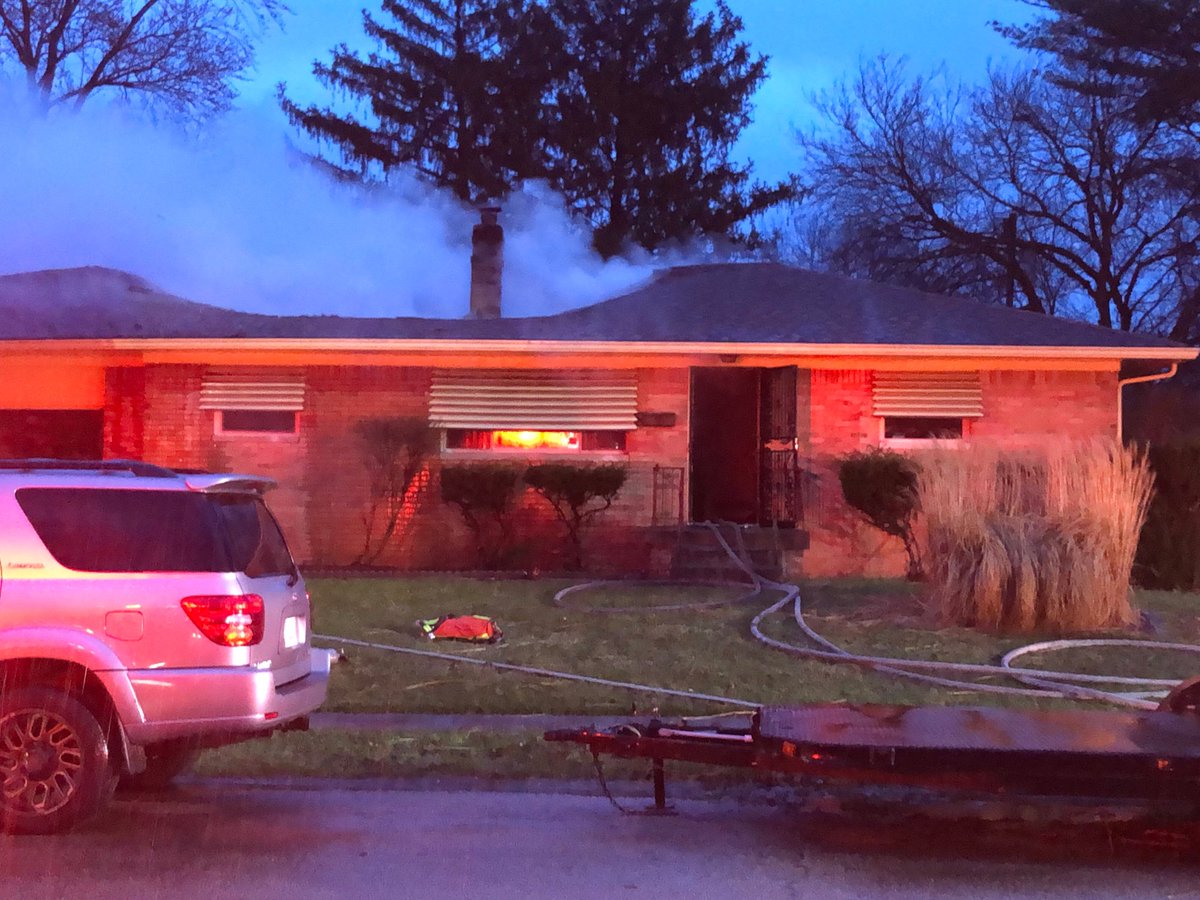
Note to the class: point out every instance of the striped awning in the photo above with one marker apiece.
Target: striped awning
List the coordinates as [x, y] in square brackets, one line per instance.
[533, 401]
[270, 392]
[956, 395]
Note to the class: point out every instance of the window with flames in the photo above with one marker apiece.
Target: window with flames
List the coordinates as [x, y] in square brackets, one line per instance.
[536, 412]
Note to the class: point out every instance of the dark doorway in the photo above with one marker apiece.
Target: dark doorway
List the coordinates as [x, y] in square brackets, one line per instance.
[51, 433]
[725, 445]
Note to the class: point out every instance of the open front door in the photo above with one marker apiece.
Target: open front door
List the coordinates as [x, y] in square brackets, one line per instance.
[724, 445]
[778, 469]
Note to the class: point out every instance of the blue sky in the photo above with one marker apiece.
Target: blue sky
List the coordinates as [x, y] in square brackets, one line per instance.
[236, 220]
[811, 44]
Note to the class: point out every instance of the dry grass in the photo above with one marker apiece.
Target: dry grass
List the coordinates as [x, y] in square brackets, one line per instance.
[1040, 539]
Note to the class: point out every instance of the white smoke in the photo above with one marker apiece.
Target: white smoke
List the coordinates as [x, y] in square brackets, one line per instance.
[236, 218]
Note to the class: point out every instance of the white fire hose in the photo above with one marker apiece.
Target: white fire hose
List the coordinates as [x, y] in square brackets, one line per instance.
[1039, 682]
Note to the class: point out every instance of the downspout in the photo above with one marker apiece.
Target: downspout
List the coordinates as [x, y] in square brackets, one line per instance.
[1139, 379]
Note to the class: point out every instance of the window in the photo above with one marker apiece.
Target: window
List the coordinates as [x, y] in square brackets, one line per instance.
[535, 441]
[112, 530]
[580, 411]
[258, 404]
[917, 408]
[928, 428]
[255, 541]
[256, 421]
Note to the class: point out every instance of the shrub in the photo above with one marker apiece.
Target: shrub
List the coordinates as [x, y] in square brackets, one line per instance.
[393, 452]
[484, 495]
[1025, 540]
[1168, 554]
[578, 494]
[882, 486]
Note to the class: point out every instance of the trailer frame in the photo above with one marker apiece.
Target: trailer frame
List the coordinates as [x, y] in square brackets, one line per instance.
[1090, 755]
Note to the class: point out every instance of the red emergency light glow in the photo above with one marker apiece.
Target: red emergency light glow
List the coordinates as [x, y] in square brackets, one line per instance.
[533, 440]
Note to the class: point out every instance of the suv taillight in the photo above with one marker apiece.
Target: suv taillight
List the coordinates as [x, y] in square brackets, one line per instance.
[234, 620]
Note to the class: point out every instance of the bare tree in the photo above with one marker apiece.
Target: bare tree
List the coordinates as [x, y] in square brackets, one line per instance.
[179, 53]
[1062, 201]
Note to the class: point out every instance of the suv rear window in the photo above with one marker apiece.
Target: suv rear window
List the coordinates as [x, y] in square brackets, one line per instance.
[102, 530]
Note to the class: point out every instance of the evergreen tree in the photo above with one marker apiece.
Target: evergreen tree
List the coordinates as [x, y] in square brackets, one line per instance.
[1152, 47]
[1145, 56]
[648, 100]
[433, 96]
[628, 108]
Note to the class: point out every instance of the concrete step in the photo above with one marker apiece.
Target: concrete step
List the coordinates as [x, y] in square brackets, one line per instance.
[718, 566]
[709, 573]
[698, 556]
[721, 573]
[712, 551]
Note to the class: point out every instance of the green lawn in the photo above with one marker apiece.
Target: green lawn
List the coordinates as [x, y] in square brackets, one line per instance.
[479, 755]
[709, 651]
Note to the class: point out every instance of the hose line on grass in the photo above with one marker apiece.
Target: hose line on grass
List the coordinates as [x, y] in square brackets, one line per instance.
[1042, 683]
[534, 670]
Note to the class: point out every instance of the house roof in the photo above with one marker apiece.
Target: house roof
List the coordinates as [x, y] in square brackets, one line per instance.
[731, 303]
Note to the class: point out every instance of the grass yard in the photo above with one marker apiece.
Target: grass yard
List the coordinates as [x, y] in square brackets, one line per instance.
[709, 651]
[475, 754]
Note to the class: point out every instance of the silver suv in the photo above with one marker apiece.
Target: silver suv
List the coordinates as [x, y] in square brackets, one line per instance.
[144, 613]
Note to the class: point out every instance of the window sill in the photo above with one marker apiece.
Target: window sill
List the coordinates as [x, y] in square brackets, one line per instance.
[270, 437]
[533, 456]
[923, 443]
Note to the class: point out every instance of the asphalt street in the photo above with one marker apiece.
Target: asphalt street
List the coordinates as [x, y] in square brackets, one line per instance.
[223, 840]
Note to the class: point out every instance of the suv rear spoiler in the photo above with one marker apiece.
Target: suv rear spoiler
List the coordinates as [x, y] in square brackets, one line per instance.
[233, 484]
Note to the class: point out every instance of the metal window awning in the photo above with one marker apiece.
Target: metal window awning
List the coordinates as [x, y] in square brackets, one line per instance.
[957, 395]
[533, 401]
[259, 392]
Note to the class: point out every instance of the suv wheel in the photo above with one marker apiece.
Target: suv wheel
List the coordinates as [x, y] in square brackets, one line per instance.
[54, 764]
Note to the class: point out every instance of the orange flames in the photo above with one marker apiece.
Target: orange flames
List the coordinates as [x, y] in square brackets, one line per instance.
[529, 440]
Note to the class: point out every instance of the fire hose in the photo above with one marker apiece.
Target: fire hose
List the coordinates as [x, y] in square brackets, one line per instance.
[1041, 683]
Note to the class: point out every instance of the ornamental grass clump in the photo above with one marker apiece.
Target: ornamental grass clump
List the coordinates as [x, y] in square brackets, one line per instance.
[1033, 540]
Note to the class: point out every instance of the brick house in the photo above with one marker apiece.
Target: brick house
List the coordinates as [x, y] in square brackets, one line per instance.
[728, 390]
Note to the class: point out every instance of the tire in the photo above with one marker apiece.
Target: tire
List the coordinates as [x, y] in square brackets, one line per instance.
[55, 770]
[164, 761]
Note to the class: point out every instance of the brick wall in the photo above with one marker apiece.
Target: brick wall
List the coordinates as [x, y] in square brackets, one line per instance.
[619, 542]
[176, 432]
[323, 498]
[124, 412]
[432, 535]
[839, 422]
[1020, 408]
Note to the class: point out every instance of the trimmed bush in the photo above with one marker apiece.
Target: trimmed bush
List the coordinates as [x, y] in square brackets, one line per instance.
[882, 486]
[1168, 556]
[484, 494]
[578, 494]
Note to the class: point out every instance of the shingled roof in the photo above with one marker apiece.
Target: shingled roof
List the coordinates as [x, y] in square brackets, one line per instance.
[746, 303]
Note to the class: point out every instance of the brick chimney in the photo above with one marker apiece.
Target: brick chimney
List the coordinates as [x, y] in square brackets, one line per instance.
[487, 264]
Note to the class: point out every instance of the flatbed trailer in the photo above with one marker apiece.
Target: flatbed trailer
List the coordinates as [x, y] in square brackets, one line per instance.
[1082, 754]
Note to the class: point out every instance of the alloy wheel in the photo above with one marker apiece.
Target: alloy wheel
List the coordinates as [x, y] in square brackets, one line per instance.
[41, 760]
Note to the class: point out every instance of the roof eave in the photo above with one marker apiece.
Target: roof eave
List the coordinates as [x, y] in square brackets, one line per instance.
[458, 345]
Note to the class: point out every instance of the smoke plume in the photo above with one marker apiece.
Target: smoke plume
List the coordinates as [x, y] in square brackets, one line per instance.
[236, 217]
